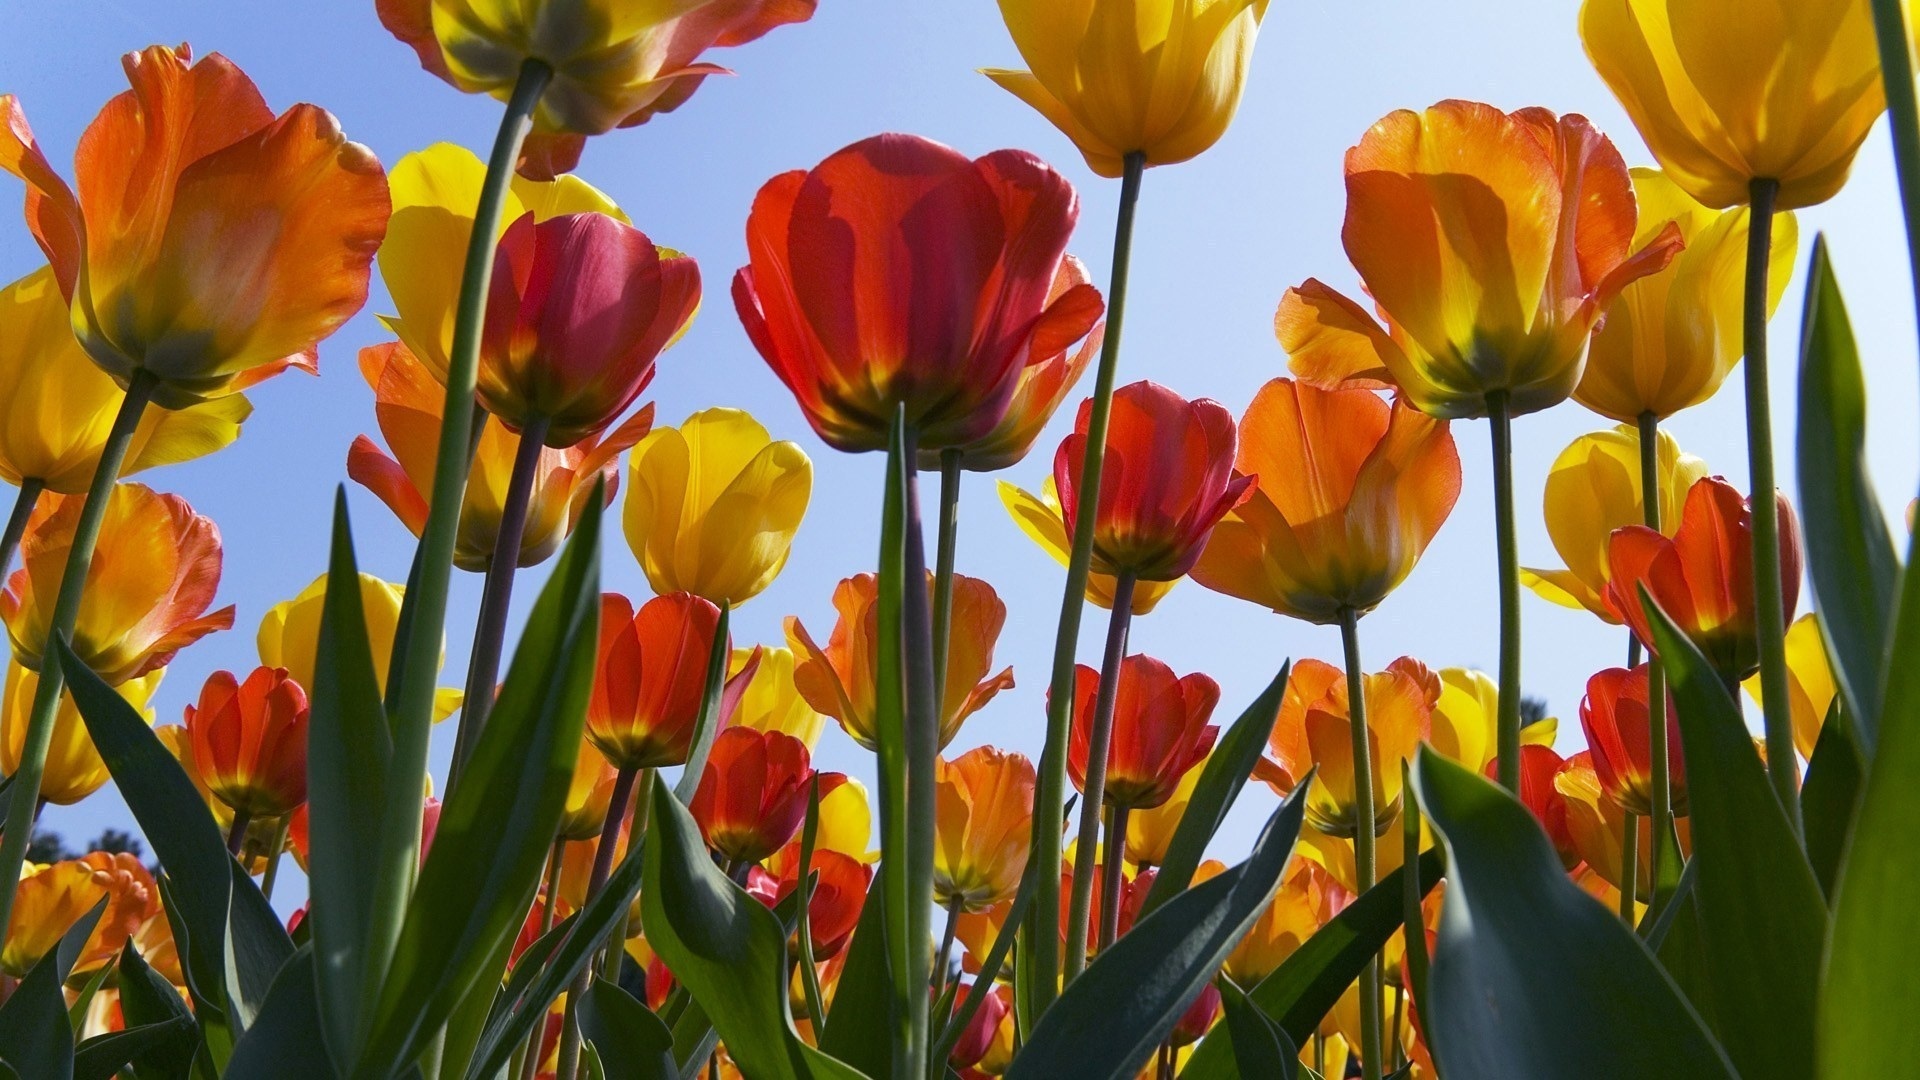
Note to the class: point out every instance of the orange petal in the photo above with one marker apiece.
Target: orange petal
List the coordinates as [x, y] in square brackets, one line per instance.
[53, 214]
[1330, 340]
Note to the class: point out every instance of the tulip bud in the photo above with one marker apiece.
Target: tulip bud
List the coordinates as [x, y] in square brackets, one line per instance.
[753, 794]
[651, 680]
[250, 741]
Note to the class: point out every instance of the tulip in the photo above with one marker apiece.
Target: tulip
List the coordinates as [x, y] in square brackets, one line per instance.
[1597, 828]
[770, 701]
[588, 794]
[1128, 78]
[407, 403]
[1540, 768]
[1198, 1018]
[982, 827]
[1809, 681]
[248, 238]
[74, 769]
[1311, 731]
[899, 273]
[651, 679]
[838, 680]
[1702, 576]
[1160, 731]
[838, 895]
[52, 898]
[1150, 829]
[845, 825]
[250, 741]
[611, 65]
[1670, 339]
[1306, 898]
[1348, 491]
[148, 585]
[983, 1033]
[1464, 719]
[1593, 489]
[289, 635]
[753, 793]
[1614, 715]
[714, 505]
[1041, 519]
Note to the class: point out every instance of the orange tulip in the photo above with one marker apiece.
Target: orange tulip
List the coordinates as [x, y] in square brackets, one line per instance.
[1348, 491]
[1491, 243]
[753, 794]
[1614, 714]
[1597, 827]
[153, 575]
[1703, 576]
[652, 678]
[838, 895]
[589, 794]
[837, 681]
[1306, 898]
[407, 405]
[899, 272]
[1313, 729]
[210, 244]
[983, 823]
[250, 741]
[52, 898]
[1160, 730]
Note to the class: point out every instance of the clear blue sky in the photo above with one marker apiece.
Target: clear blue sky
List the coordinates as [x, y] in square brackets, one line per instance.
[1219, 239]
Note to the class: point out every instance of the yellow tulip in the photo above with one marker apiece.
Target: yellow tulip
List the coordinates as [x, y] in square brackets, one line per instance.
[1670, 339]
[1160, 78]
[74, 769]
[1304, 900]
[771, 702]
[1039, 517]
[589, 794]
[1464, 719]
[713, 505]
[1729, 91]
[1150, 829]
[289, 635]
[1593, 489]
[1810, 683]
[56, 405]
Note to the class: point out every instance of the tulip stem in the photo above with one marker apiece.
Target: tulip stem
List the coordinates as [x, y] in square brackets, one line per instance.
[569, 1060]
[809, 974]
[237, 832]
[1363, 832]
[1093, 785]
[954, 907]
[1656, 674]
[1413, 916]
[943, 566]
[922, 745]
[1769, 608]
[1896, 72]
[1050, 793]
[490, 632]
[1113, 852]
[1629, 867]
[1500, 419]
[23, 505]
[275, 849]
[556, 858]
[24, 804]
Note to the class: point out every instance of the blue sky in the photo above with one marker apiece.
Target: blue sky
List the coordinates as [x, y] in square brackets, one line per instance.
[1218, 240]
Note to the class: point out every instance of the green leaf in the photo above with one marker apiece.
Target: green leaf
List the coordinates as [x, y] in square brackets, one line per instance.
[103, 1056]
[726, 948]
[891, 753]
[149, 1000]
[632, 1042]
[82, 1001]
[1850, 555]
[349, 748]
[1112, 1018]
[1531, 978]
[983, 980]
[1835, 775]
[707, 725]
[285, 1042]
[1221, 779]
[35, 1037]
[496, 827]
[693, 1040]
[859, 1023]
[1755, 884]
[1260, 1047]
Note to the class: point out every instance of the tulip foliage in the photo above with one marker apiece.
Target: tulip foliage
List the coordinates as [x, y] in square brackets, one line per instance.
[640, 864]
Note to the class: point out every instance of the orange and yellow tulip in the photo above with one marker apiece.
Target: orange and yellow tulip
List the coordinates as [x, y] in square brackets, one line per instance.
[1725, 93]
[250, 741]
[1702, 576]
[753, 794]
[1464, 719]
[1597, 827]
[983, 822]
[407, 406]
[1348, 491]
[74, 769]
[898, 272]
[1040, 517]
[1615, 716]
[1593, 489]
[1118, 77]
[1150, 829]
[839, 679]
[210, 244]
[614, 64]
[1491, 243]
[589, 795]
[152, 578]
[1312, 730]
[1166, 480]
[1160, 730]
[1306, 898]
[52, 898]
[770, 701]
[1809, 682]
[714, 505]
[651, 679]
[289, 635]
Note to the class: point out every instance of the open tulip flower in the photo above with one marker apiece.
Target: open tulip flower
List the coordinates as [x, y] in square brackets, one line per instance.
[74, 769]
[1312, 730]
[54, 897]
[151, 580]
[651, 678]
[754, 793]
[1809, 682]
[289, 635]
[714, 505]
[250, 741]
[983, 822]
[1789, 97]
[1118, 77]
[613, 64]
[210, 244]
[838, 680]
[838, 895]
[1160, 730]
[1040, 517]
[1596, 827]
[1594, 489]
[1491, 243]
[898, 272]
[1614, 715]
[1702, 576]
[1348, 490]
[407, 405]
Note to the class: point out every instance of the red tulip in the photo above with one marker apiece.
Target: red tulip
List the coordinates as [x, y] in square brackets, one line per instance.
[839, 892]
[250, 741]
[1614, 714]
[977, 1039]
[651, 679]
[753, 794]
[1538, 766]
[1160, 730]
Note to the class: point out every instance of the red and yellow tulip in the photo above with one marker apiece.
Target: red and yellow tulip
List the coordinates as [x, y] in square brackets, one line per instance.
[250, 741]
[1160, 730]
[1614, 714]
[651, 679]
[983, 822]
[1040, 517]
[753, 794]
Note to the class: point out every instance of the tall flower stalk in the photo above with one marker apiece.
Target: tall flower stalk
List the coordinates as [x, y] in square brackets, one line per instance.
[1364, 835]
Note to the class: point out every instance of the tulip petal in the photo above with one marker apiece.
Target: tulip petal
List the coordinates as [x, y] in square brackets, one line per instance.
[53, 214]
[1332, 341]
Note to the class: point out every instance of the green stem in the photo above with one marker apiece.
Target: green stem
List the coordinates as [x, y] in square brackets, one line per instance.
[529, 1067]
[1629, 867]
[949, 538]
[596, 880]
[809, 972]
[922, 746]
[1508, 746]
[1093, 784]
[1042, 954]
[896, 834]
[237, 832]
[1363, 833]
[23, 505]
[1903, 114]
[1656, 674]
[1769, 607]
[276, 848]
[1113, 853]
[1413, 916]
[945, 956]
[25, 790]
[490, 630]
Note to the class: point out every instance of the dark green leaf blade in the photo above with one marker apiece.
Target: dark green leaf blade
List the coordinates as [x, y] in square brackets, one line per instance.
[147, 1000]
[285, 1042]
[1260, 1048]
[35, 1037]
[707, 725]
[632, 1042]
[1828, 799]
[858, 1022]
[103, 1056]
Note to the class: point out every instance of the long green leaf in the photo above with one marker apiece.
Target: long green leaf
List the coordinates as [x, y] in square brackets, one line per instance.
[285, 1042]
[1112, 1018]
[1835, 776]
[707, 725]
[1260, 1047]
[34, 1035]
[149, 1000]
[632, 1042]
[103, 1056]
[859, 1022]
[1531, 978]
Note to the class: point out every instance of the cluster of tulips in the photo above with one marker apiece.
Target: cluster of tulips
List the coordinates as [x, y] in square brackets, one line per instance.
[634, 868]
